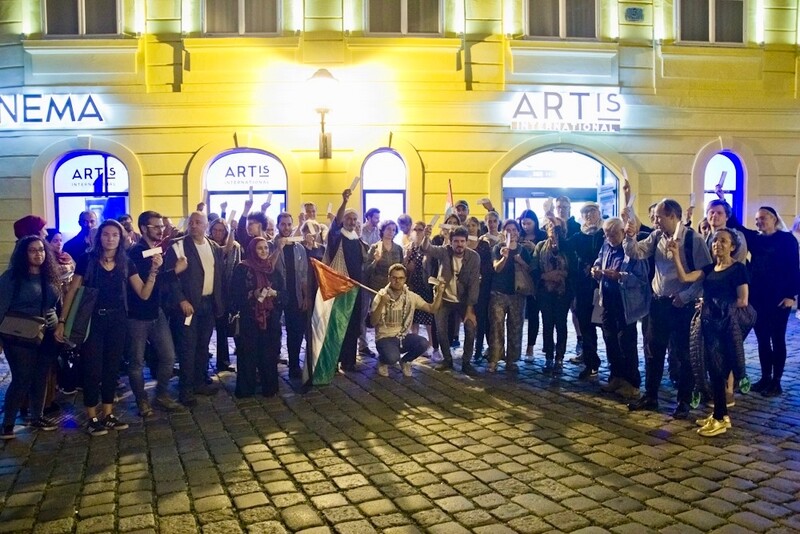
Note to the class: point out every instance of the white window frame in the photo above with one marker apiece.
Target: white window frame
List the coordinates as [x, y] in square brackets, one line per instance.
[242, 19]
[712, 25]
[562, 23]
[404, 21]
[82, 21]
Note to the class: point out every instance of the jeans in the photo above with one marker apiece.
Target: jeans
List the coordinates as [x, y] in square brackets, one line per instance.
[505, 312]
[620, 338]
[157, 333]
[296, 326]
[668, 326]
[554, 308]
[223, 353]
[393, 349]
[192, 342]
[29, 366]
[770, 331]
[584, 306]
[451, 315]
[101, 355]
[532, 315]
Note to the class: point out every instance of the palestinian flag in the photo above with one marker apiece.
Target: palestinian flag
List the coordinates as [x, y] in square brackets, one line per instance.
[332, 308]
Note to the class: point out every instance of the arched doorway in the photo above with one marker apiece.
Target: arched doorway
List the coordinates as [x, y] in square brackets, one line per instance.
[556, 172]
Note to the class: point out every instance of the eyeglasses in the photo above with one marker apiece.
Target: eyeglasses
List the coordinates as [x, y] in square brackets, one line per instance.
[156, 226]
[397, 278]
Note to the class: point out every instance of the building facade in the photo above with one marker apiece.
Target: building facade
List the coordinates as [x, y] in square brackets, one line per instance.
[125, 105]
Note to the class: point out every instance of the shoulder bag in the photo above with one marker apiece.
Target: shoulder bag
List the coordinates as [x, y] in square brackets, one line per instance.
[21, 328]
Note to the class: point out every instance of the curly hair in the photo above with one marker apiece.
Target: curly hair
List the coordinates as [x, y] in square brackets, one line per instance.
[386, 224]
[20, 267]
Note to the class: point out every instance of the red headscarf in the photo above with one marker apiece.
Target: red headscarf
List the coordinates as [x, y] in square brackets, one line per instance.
[260, 269]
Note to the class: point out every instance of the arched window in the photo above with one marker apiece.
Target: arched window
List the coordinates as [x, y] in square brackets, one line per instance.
[557, 172]
[231, 175]
[88, 180]
[383, 183]
[730, 164]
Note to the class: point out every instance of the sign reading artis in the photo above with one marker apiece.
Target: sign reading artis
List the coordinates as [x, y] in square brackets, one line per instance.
[43, 110]
[243, 168]
[573, 111]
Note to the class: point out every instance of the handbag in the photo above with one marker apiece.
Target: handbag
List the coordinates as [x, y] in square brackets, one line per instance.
[79, 319]
[23, 329]
[523, 283]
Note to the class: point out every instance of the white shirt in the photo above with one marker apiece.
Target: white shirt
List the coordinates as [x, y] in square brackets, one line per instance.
[207, 258]
[451, 289]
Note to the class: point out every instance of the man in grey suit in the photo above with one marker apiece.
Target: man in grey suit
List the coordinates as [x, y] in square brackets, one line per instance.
[460, 270]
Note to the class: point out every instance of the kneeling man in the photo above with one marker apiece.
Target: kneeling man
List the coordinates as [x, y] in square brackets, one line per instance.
[392, 314]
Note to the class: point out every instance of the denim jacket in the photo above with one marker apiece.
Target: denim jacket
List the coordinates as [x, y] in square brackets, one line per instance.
[634, 284]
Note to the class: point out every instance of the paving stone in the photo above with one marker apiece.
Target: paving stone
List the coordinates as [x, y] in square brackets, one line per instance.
[60, 526]
[137, 522]
[100, 523]
[301, 517]
[752, 522]
[454, 504]
[448, 528]
[355, 527]
[537, 504]
[222, 527]
[250, 500]
[529, 525]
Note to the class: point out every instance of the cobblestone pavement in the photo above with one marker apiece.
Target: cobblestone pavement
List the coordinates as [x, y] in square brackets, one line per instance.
[439, 453]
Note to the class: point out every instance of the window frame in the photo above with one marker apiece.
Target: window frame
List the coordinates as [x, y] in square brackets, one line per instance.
[712, 26]
[72, 154]
[82, 23]
[242, 19]
[562, 23]
[404, 22]
[737, 192]
[368, 191]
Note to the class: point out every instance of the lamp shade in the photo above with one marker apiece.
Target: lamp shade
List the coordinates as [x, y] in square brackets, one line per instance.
[323, 88]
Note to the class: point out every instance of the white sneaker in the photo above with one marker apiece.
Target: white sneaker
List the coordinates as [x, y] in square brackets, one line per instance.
[714, 428]
[406, 368]
[383, 369]
[705, 421]
[436, 356]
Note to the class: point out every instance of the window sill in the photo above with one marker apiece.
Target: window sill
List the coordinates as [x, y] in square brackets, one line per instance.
[405, 41]
[239, 41]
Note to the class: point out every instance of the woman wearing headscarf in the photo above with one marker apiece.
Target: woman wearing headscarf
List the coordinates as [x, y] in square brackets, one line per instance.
[108, 268]
[29, 288]
[256, 290]
[220, 234]
[774, 285]
[529, 236]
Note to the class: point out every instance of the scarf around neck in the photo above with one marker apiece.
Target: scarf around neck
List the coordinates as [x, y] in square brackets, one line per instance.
[261, 270]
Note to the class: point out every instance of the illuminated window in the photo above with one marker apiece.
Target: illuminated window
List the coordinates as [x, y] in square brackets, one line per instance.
[231, 174]
[563, 19]
[88, 180]
[383, 184]
[82, 17]
[711, 21]
[240, 17]
[732, 186]
[553, 173]
[406, 17]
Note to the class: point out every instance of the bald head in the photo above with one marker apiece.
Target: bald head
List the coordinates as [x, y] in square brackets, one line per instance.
[198, 223]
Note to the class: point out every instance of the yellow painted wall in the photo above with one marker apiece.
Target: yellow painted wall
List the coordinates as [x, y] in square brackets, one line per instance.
[442, 102]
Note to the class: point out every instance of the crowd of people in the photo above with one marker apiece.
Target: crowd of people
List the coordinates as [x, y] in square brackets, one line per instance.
[151, 295]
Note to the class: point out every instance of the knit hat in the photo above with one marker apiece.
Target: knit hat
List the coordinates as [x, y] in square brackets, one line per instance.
[29, 225]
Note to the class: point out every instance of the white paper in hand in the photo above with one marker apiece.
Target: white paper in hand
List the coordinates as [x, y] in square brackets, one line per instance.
[269, 198]
[722, 178]
[355, 183]
[548, 205]
[188, 320]
[434, 219]
[251, 194]
[151, 252]
[330, 208]
[232, 217]
[691, 200]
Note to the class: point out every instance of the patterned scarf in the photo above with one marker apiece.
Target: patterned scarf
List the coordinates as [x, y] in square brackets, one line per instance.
[260, 271]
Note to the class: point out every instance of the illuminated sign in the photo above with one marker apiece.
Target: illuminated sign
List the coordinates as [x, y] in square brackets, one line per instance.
[63, 111]
[573, 111]
[91, 174]
[241, 169]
